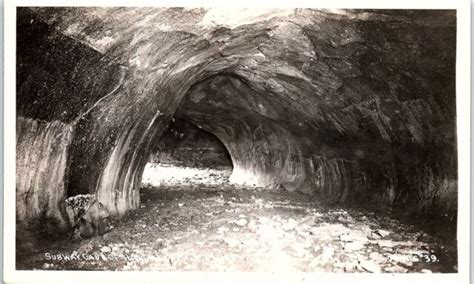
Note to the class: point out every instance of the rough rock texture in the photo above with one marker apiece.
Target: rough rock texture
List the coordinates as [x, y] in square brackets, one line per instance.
[348, 105]
[41, 164]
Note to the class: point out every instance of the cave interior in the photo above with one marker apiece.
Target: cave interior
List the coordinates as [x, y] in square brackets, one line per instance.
[350, 108]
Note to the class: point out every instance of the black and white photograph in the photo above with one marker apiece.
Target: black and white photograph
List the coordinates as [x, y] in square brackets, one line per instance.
[237, 140]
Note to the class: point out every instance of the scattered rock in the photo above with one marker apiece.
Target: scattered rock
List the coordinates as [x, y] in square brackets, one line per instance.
[370, 266]
[386, 243]
[241, 222]
[353, 236]
[222, 230]
[382, 233]
[290, 225]
[289, 238]
[47, 265]
[377, 257]
[106, 249]
[353, 246]
[345, 219]
[252, 225]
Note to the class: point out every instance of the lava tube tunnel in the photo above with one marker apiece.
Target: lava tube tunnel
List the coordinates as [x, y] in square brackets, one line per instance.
[191, 139]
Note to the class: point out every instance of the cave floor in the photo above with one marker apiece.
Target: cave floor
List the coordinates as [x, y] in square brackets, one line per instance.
[222, 227]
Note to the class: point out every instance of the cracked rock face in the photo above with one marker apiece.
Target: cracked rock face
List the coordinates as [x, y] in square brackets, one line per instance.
[346, 105]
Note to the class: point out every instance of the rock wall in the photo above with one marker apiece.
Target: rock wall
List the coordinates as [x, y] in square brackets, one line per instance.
[349, 105]
[41, 170]
[59, 81]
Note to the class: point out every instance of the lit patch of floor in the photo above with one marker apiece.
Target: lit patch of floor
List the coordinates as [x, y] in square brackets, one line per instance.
[164, 174]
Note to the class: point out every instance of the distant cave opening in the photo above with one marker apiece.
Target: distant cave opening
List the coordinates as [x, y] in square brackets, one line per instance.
[187, 154]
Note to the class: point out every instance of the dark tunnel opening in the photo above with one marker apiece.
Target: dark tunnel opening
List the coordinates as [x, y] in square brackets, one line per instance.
[186, 153]
[187, 144]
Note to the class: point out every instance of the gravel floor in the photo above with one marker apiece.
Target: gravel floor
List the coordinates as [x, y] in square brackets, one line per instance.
[215, 226]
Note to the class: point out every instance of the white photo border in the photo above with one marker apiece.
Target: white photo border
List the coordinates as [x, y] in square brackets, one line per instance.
[463, 103]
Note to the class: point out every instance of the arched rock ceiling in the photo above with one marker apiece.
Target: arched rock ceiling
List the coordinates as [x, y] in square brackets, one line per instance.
[359, 74]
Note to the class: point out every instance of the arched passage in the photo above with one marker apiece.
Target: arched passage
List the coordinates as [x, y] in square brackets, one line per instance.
[185, 151]
[186, 144]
